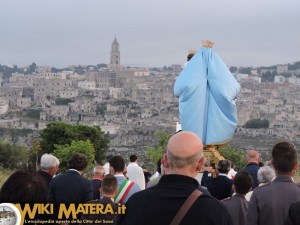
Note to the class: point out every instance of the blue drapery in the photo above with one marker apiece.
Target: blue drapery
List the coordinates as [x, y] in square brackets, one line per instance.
[206, 90]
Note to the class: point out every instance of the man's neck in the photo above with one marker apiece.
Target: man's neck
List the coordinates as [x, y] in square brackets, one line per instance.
[97, 177]
[80, 172]
[119, 174]
[108, 195]
[48, 172]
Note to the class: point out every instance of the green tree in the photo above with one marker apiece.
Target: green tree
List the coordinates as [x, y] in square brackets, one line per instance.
[63, 101]
[268, 77]
[64, 152]
[234, 155]
[101, 65]
[257, 123]
[56, 70]
[156, 152]
[60, 133]
[245, 70]
[13, 156]
[32, 67]
[34, 113]
[233, 69]
[100, 110]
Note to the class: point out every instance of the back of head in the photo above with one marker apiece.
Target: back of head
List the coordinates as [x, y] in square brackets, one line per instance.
[224, 166]
[190, 56]
[117, 163]
[108, 158]
[133, 158]
[109, 185]
[242, 182]
[265, 174]
[48, 161]
[98, 170]
[284, 157]
[78, 162]
[252, 156]
[184, 150]
[24, 187]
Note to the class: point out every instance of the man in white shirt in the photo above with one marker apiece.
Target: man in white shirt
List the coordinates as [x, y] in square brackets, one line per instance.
[106, 165]
[135, 172]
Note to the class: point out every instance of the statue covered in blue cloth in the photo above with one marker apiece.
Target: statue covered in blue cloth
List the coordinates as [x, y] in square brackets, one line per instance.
[207, 92]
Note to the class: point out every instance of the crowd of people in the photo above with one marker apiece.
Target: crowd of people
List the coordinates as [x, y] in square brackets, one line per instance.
[255, 195]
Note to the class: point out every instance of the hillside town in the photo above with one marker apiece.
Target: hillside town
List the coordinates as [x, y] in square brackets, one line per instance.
[132, 103]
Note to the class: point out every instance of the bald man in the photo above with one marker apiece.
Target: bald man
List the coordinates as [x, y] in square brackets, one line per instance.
[252, 158]
[159, 204]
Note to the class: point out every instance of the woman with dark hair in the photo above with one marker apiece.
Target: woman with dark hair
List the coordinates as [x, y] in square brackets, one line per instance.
[218, 184]
[24, 187]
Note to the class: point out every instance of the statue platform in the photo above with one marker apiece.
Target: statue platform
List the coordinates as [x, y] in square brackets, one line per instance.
[212, 154]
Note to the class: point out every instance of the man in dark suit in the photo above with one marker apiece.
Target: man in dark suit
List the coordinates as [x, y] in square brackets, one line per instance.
[219, 185]
[269, 204]
[71, 187]
[293, 217]
[237, 205]
[159, 204]
[108, 189]
[48, 167]
[98, 175]
[252, 167]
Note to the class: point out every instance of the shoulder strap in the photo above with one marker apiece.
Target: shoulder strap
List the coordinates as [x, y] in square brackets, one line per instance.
[185, 207]
[123, 190]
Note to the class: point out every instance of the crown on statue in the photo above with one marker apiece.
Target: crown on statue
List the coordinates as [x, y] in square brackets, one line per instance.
[207, 43]
[192, 51]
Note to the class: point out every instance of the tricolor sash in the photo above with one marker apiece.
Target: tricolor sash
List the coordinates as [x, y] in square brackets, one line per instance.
[123, 191]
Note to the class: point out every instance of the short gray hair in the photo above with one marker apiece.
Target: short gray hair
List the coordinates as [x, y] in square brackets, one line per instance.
[180, 162]
[265, 174]
[48, 161]
[99, 170]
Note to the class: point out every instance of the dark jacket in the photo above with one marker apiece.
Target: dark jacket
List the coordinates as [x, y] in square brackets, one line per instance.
[269, 204]
[46, 177]
[252, 169]
[219, 187]
[159, 204]
[96, 183]
[293, 217]
[68, 188]
[104, 218]
[237, 207]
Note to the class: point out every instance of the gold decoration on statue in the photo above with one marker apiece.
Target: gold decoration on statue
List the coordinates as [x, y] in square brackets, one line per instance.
[207, 44]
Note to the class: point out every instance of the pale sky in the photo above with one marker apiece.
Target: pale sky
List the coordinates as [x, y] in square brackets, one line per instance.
[150, 32]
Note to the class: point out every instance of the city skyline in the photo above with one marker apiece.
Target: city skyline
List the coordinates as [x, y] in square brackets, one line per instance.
[75, 32]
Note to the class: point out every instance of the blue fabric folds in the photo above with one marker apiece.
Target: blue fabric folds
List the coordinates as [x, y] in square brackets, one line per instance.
[206, 90]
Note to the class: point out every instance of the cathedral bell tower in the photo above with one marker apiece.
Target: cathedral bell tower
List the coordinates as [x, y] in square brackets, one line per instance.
[114, 56]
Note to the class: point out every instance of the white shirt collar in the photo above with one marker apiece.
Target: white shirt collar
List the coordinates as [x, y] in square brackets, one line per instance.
[75, 171]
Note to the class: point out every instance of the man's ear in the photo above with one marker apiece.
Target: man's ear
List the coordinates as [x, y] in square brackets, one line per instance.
[165, 161]
[201, 164]
[295, 167]
[111, 170]
[233, 187]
